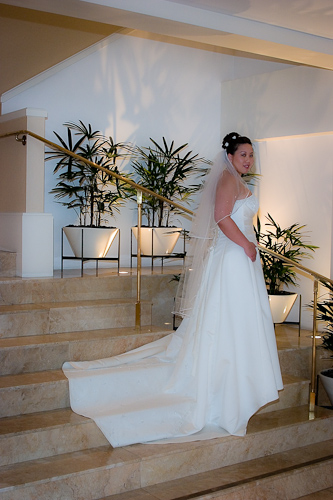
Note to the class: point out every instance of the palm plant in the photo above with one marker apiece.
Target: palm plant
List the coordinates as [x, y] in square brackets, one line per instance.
[92, 193]
[325, 313]
[289, 242]
[162, 169]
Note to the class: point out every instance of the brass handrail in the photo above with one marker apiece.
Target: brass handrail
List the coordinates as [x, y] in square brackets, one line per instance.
[140, 189]
[92, 164]
[317, 277]
[314, 274]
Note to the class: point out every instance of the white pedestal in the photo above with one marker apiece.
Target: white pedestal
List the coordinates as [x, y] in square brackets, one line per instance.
[30, 235]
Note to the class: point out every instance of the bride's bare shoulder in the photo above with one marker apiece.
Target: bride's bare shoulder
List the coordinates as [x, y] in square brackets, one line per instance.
[227, 181]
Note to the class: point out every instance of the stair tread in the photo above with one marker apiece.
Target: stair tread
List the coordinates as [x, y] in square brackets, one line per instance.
[33, 422]
[23, 379]
[42, 306]
[106, 457]
[63, 465]
[39, 421]
[286, 417]
[56, 338]
[40, 377]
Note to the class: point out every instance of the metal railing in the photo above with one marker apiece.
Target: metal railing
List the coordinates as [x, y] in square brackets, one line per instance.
[316, 279]
[21, 136]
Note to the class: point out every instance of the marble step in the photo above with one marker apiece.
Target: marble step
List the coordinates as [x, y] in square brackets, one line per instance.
[111, 286]
[7, 264]
[45, 434]
[281, 476]
[100, 472]
[19, 320]
[33, 392]
[49, 352]
[295, 393]
[28, 291]
[296, 360]
[27, 393]
[325, 494]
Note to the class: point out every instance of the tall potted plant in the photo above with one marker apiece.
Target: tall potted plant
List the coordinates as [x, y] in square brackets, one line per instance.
[93, 194]
[167, 170]
[290, 242]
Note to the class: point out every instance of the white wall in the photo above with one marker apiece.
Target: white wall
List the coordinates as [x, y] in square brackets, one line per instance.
[301, 171]
[290, 112]
[291, 101]
[134, 89]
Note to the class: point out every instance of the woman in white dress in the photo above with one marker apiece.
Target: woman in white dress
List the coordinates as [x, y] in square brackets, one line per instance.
[221, 365]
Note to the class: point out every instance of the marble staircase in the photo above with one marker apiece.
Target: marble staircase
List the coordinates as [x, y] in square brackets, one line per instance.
[7, 263]
[48, 452]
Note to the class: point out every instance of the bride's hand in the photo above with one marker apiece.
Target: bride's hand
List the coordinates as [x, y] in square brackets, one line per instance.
[251, 251]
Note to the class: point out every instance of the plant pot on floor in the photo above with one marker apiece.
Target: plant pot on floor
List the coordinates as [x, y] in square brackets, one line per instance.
[90, 242]
[326, 376]
[281, 306]
[157, 241]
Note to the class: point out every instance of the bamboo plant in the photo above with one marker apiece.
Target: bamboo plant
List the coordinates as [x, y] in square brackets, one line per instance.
[167, 170]
[92, 193]
[290, 242]
[325, 313]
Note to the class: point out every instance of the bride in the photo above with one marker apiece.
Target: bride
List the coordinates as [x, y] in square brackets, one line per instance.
[221, 365]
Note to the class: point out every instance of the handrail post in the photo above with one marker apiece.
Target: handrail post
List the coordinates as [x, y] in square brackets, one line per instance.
[138, 265]
[314, 334]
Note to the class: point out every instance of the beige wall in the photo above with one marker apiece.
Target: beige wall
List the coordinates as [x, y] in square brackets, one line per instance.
[22, 167]
[32, 41]
[12, 169]
[24, 227]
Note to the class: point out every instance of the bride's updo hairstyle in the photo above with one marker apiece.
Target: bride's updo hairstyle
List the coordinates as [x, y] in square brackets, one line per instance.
[232, 141]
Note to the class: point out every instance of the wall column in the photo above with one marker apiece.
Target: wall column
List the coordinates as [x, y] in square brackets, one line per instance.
[24, 227]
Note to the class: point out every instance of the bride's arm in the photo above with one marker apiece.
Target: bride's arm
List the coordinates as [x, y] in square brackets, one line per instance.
[223, 209]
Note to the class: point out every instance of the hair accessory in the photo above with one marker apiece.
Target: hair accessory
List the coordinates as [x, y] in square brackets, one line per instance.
[226, 144]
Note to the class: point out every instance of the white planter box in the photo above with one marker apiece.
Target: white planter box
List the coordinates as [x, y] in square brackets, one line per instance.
[327, 383]
[95, 241]
[157, 241]
[281, 305]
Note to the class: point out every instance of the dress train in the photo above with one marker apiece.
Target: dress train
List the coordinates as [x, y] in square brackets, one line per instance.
[213, 373]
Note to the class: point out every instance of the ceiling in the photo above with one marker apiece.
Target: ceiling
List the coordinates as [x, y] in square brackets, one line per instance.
[315, 17]
[37, 34]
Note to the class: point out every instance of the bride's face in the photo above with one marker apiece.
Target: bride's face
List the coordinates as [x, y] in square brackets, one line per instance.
[242, 159]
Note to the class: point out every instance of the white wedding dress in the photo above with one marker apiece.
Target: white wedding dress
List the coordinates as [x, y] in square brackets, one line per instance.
[211, 375]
